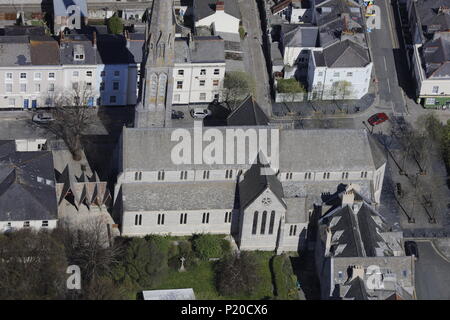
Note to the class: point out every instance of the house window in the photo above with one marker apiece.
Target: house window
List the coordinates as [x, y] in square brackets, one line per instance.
[161, 218]
[202, 96]
[293, 230]
[161, 175]
[179, 84]
[79, 56]
[74, 85]
[8, 87]
[116, 85]
[289, 176]
[45, 223]
[138, 220]
[435, 89]
[102, 74]
[176, 98]
[202, 83]
[138, 176]
[183, 175]
[37, 76]
[26, 224]
[364, 174]
[215, 83]
[203, 72]
[181, 72]
[228, 174]
[336, 74]
[344, 175]
[320, 74]
[9, 76]
[263, 222]
[89, 73]
[51, 87]
[271, 222]
[206, 175]
[308, 176]
[51, 75]
[216, 71]
[326, 175]
[102, 86]
[12, 102]
[23, 87]
[183, 218]
[37, 87]
[205, 217]
[349, 74]
[23, 75]
[116, 73]
[255, 222]
[112, 99]
[228, 217]
[75, 74]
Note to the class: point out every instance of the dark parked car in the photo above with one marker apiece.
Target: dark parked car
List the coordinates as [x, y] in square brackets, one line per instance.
[411, 249]
[378, 118]
[177, 114]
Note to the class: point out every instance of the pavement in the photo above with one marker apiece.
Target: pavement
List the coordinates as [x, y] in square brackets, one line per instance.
[432, 273]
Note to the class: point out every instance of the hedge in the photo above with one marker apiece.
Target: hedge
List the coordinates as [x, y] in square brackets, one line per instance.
[284, 278]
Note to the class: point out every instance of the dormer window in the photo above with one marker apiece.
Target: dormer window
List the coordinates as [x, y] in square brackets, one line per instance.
[78, 52]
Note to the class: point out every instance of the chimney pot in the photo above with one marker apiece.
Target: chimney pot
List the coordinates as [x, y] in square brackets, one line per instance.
[220, 6]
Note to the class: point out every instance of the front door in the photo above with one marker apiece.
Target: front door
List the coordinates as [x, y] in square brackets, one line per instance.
[25, 103]
[34, 104]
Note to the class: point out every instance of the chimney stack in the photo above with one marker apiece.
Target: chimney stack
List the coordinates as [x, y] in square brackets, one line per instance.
[328, 235]
[354, 272]
[94, 40]
[220, 6]
[348, 198]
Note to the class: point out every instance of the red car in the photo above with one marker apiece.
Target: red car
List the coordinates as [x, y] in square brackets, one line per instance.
[378, 118]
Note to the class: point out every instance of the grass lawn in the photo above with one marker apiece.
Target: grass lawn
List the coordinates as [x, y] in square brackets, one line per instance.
[201, 279]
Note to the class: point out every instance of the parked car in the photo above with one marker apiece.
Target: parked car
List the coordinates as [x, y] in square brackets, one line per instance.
[200, 113]
[378, 118]
[43, 118]
[411, 249]
[177, 114]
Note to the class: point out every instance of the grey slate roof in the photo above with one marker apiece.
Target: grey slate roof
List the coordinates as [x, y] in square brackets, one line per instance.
[112, 49]
[72, 42]
[205, 49]
[346, 54]
[357, 290]
[249, 113]
[300, 36]
[205, 8]
[431, 17]
[44, 51]
[173, 196]
[332, 10]
[255, 183]
[297, 209]
[14, 51]
[436, 57]
[22, 197]
[300, 150]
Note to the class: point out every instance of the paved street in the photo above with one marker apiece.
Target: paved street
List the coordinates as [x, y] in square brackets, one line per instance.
[254, 60]
[386, 56]
[432, 273]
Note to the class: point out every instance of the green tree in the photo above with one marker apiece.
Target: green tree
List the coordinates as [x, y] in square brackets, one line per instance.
[291, 87]
[207, 246]
[115, 25]
[32, 266]
[237, 86]
[143, 265]
[237, 275]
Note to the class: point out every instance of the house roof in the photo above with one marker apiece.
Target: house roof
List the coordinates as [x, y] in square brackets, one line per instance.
[346, 54]
[300, 36]
[205, 8]
[436, 56]
[14, 51]
[249, 113]
[80, 42]
[112, 49]
[204, 49]
[44, 51]
[331, 10]
[357, 290]
[22, 196]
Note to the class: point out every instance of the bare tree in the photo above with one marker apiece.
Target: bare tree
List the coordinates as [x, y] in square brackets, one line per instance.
[72, 115]
[237, 86]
